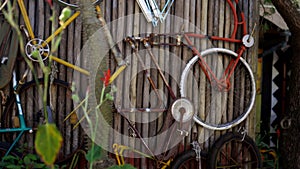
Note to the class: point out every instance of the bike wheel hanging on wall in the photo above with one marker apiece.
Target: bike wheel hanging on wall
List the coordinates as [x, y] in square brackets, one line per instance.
[152, 12]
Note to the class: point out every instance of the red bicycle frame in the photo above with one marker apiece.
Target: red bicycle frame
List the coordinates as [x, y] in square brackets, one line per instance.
[224, 82]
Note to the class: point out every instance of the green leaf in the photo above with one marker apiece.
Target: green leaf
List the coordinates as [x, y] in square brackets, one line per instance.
[33, 157]
[65, 14]
[94, 154]
[14, 166]
[27, 160]
[75, 98]
[109, 97]
[125, 166]
[35, 54]
[114, 167]
[10, 158]
[30, 159]
[36, 165]
[48, 142]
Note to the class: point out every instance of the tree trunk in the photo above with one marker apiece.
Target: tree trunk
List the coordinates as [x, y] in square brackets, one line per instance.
[97, 131]
[290, 138]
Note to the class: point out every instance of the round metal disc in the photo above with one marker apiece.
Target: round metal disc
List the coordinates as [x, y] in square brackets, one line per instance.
[248, 41]
[183, 107]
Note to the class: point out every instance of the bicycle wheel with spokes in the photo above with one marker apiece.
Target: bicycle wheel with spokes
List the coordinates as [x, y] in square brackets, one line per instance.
[189, 160]
[73, 3]
[219, 105]
[59, 105]
[234, 150]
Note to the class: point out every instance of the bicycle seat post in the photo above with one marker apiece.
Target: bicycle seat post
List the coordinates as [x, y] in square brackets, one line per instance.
[18, 85]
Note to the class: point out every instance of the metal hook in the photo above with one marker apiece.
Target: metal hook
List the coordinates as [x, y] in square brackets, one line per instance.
[243, 131]
[286, 123]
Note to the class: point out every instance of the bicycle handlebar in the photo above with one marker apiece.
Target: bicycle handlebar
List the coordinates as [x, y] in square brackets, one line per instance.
[73, 6]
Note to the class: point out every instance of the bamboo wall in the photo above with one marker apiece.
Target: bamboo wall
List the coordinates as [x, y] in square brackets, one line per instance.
[208, 17]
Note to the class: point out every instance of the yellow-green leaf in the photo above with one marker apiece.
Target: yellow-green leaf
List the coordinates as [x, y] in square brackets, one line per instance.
[48, 142]
[65, 14]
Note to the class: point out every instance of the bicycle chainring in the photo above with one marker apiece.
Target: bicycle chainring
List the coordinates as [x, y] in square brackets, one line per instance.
[37, 48]
[182, 110]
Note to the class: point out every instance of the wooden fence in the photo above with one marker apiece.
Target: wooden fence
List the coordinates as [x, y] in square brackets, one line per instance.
[208, 17]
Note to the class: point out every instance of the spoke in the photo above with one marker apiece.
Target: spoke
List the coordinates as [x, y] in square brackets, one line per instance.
[45, 50]
[31, 45]
[231, 159]
[40, 42]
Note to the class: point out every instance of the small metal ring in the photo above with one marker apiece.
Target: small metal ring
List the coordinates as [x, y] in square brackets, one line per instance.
[248, 41]
[286, 123]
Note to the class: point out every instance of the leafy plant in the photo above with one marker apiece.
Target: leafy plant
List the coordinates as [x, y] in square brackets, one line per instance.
[269, 155]
[96, 153]
[125, 166]
[48, 138]
[29, 161]
[48, 142]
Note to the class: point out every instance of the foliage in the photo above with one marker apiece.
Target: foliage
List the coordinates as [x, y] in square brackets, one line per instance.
[29, 161]
[48, 138]
[125, 166]
[94, 154]
[297, 3]
[48, 142]
[65, 14]
[269, 155]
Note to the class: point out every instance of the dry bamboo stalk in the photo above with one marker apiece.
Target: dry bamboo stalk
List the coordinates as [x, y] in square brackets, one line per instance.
[189, 17]
[202, 92]
[144, 92]
[134, 65]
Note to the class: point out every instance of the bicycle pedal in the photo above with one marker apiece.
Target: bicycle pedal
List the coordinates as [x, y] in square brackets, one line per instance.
[16, 122]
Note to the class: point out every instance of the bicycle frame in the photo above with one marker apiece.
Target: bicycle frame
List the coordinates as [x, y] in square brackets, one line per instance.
[23, 128]
[16, 85]
[187, 36]
[152, 12]
[52, 36]
[119, 150]
[223, 83]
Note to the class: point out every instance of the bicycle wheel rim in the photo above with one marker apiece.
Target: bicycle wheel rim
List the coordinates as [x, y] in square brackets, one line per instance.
[188, 160]
[234, 150]
[73, 139]
[244, 100]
